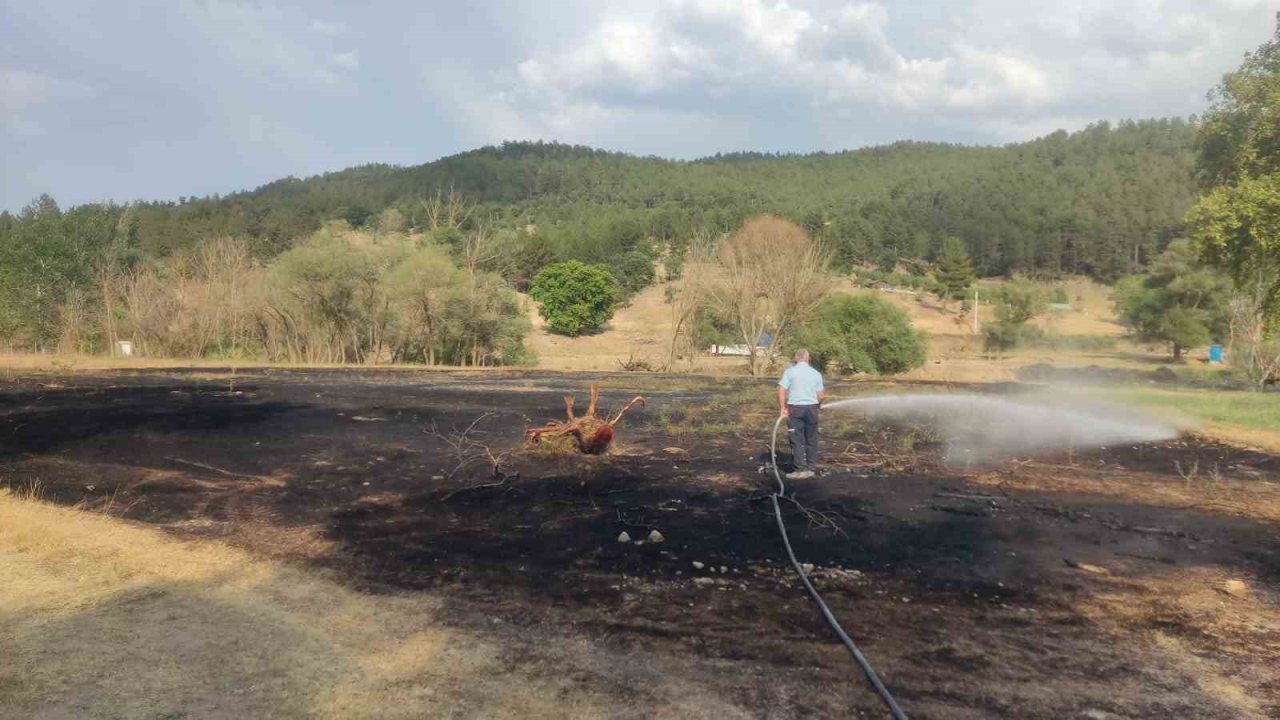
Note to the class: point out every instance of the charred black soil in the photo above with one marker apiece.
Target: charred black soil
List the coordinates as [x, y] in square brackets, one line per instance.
[1003, 591]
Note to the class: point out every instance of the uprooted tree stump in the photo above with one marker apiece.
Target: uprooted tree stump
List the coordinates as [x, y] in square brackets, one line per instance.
[590, 434]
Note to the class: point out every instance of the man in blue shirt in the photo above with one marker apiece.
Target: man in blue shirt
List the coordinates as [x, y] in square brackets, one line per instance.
[800, 394]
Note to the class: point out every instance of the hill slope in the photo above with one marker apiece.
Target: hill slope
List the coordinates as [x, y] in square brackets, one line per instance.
[1092, 202]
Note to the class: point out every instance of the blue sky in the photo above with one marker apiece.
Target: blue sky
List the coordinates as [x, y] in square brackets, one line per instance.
[156, 100]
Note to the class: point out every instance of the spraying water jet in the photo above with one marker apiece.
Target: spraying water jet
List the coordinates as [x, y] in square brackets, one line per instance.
[978, 427]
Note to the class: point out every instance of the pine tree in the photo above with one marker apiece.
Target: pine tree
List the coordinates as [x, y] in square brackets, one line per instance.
[953, 269]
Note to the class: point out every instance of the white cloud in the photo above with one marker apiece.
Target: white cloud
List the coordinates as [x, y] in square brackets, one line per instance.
[711, 50]
[1000, 64]
[272, 87]
[347, 60]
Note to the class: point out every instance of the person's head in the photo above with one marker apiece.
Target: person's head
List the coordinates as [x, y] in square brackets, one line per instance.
[802, 356]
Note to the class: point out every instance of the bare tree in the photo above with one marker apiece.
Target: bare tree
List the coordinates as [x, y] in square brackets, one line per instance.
[448, 211]
[693, 296]
[479, 248]
[767, 278]
[1254, 348]
[204, 301]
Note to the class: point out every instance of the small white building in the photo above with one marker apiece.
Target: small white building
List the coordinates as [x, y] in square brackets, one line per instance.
[764, 346]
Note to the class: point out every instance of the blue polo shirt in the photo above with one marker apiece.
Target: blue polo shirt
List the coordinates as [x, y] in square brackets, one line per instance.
[802, 384]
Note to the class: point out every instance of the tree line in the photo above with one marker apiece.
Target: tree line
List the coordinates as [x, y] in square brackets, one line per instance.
[339, 296]
[1103, 202]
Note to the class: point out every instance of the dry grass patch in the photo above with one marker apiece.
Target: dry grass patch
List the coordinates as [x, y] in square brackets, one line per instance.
[104, 619]
[1236, 490]
[1191, 617]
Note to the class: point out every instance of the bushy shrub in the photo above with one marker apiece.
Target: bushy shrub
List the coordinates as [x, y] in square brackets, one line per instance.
[1009, 334]
[1019, 300]
[574, 297]
[861, 333]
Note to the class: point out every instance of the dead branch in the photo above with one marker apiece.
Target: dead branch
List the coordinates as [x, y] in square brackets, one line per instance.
[821, 519]
[467, 450]
[218, 470]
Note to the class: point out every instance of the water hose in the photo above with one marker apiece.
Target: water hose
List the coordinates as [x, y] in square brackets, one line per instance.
[861, 659]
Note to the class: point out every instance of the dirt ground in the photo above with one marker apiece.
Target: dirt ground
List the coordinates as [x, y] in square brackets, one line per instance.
[1129, 582]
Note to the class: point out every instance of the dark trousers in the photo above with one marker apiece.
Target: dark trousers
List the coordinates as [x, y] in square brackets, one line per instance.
[802, 431]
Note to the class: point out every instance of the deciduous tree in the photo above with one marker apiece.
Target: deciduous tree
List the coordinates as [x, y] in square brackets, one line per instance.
[574, 297]
[766, 278]
[1179, 302]
[1236, 224]
[861, 334]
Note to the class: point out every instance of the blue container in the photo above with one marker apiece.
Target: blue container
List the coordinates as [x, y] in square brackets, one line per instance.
[1215, 354]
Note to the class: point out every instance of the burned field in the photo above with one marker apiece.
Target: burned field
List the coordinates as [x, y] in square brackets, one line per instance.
[1129, 582]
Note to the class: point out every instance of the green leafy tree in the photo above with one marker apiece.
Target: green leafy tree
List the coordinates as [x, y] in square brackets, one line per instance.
[1239, 136]
[418, 291]
[483, 323]
[887, 260]
[333, 283]
[861, 334]
[634, 270]
[357, 215]
[1002, 336]
[45, 256]
[574, 297]
[1017, 303]
[1019, 300]
[1237, 227]
[1180, 302]
[954, 272]
[522, 257]
[352, 296]
[1236, 224]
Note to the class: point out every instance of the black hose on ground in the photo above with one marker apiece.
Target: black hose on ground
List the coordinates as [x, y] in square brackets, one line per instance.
[813, 592]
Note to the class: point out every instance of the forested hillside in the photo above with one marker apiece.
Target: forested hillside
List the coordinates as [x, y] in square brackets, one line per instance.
[1099, 202]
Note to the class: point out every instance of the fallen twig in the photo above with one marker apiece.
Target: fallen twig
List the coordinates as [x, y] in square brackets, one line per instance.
[217, 470]
[818, 518]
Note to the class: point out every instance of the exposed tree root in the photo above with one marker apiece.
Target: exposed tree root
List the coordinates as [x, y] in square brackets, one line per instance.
[590, 434]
